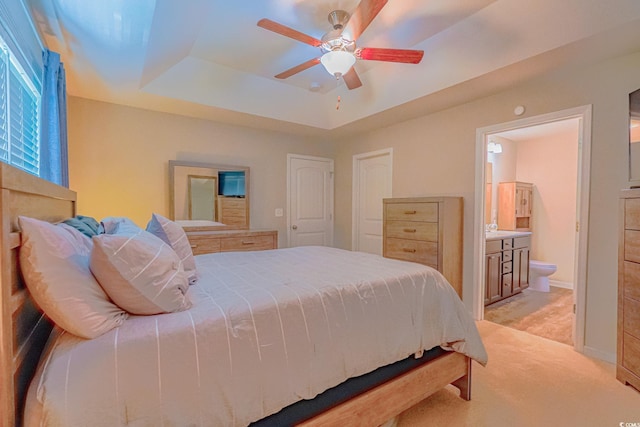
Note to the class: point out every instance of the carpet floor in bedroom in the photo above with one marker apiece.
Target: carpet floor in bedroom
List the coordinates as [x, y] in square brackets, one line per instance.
[531, 381]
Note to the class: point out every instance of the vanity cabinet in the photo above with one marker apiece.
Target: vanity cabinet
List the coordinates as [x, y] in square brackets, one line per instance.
[628, 340]
[203, 242]
[506, 267]
[514, 206]
[426, 230]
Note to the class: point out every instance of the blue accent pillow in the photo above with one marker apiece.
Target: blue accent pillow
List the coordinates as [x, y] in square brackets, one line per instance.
[86, 225]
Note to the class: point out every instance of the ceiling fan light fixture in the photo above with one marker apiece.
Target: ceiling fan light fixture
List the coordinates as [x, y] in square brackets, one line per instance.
[338, 62]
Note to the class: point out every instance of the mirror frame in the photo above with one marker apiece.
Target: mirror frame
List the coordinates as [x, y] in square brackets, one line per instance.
[220, 167]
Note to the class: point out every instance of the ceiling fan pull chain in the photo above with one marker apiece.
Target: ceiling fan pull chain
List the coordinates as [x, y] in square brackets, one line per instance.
[338, 103]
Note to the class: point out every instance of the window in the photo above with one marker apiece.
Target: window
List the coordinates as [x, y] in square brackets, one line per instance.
[19, 115]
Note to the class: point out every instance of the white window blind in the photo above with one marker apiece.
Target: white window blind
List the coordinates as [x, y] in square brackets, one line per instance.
[19, 114]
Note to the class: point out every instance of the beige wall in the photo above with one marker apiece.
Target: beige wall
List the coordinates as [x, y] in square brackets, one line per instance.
[118, 160]
[551, 164]
[435, 155]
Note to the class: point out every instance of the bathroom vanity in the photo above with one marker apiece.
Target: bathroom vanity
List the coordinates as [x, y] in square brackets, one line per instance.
[506, 264]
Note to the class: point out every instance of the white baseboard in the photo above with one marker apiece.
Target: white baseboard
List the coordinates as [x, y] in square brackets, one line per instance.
[559, 284]
[599, 354]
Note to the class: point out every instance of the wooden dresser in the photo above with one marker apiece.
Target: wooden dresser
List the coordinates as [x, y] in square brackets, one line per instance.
[628, 354]
[203, 242]
[427, 230]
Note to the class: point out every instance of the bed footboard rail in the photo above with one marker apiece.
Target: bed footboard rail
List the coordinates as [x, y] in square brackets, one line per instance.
[384, 402]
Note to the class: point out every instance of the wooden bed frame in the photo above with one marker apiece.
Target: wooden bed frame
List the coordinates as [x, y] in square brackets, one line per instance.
[24, 329]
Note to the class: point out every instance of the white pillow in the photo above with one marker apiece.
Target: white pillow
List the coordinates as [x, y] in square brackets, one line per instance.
[54, 260]
[173, 235]
[140, 273]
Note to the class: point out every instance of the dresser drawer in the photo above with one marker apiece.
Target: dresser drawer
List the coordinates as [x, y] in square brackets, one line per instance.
[507, 283]
[248, 243]
[632, 280]
[233, 203]
[237, 212]
[204, 244]
[631, 354]
[521, 242]
[507, 267]
[632, 245]
[427, 231]
[493, 246]
[632, 317]
[412, 212]
[632, 214]
[412, 250]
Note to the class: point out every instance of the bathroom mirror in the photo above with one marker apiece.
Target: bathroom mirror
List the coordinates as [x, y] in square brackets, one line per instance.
[634, 138]
[206, 196]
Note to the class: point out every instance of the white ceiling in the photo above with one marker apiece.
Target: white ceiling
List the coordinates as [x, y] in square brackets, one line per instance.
[208, 58]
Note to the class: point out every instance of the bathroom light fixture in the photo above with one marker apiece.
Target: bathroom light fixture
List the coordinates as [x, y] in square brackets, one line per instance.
[338, 62]
[494, 147]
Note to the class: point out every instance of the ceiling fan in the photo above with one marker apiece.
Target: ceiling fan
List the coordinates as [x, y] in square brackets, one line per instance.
[338, 46]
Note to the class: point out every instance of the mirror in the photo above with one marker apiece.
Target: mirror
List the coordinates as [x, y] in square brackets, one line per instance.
[634, 138]
[207, 196]
[203, 191]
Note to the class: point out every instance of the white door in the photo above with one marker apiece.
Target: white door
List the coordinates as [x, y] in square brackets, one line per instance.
[310, 213]
[372, 174]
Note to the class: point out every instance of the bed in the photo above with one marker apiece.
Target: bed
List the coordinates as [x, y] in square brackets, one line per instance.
[25, 332]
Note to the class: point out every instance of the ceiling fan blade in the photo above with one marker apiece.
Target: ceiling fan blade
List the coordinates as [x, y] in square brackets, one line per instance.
[351, 79]
[366, 11]
[408, 56]
[298, 68]
[270, 25]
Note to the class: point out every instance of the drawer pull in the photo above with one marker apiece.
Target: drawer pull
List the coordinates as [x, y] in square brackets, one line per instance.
[193, 246]
[410, 212]
[410, 230]
[412, 251]
[248, 243]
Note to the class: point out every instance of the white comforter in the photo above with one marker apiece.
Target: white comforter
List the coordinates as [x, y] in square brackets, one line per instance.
[266, 329]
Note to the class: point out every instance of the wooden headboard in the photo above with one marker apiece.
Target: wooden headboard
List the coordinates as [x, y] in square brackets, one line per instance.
[24, 329]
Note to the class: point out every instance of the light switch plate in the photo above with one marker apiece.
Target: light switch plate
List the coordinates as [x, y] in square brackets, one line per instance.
[279, 212]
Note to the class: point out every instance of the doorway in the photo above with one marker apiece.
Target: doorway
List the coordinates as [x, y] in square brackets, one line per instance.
[309, 200]
[372, 175]
[581, 115]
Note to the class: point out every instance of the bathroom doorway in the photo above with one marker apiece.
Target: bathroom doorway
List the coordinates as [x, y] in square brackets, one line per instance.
[551, 152]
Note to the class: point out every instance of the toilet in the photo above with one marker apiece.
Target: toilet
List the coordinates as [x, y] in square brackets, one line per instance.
[539, 273]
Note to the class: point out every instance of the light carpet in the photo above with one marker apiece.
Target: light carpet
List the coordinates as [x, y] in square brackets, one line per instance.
[545, 314]
[531, 381]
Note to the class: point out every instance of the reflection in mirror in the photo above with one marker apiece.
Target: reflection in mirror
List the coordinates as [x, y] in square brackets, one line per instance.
[202, 197]
[207, 196]
[634, 138]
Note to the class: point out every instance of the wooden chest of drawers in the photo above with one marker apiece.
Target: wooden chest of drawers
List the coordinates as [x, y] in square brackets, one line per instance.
[203, 242]
[427, 230]
[628, 351]
[232, 210]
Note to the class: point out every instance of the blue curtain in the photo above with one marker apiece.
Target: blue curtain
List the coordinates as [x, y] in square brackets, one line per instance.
[54, 158]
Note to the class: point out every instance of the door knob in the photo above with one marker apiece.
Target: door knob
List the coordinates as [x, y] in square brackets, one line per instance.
[295, 227]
